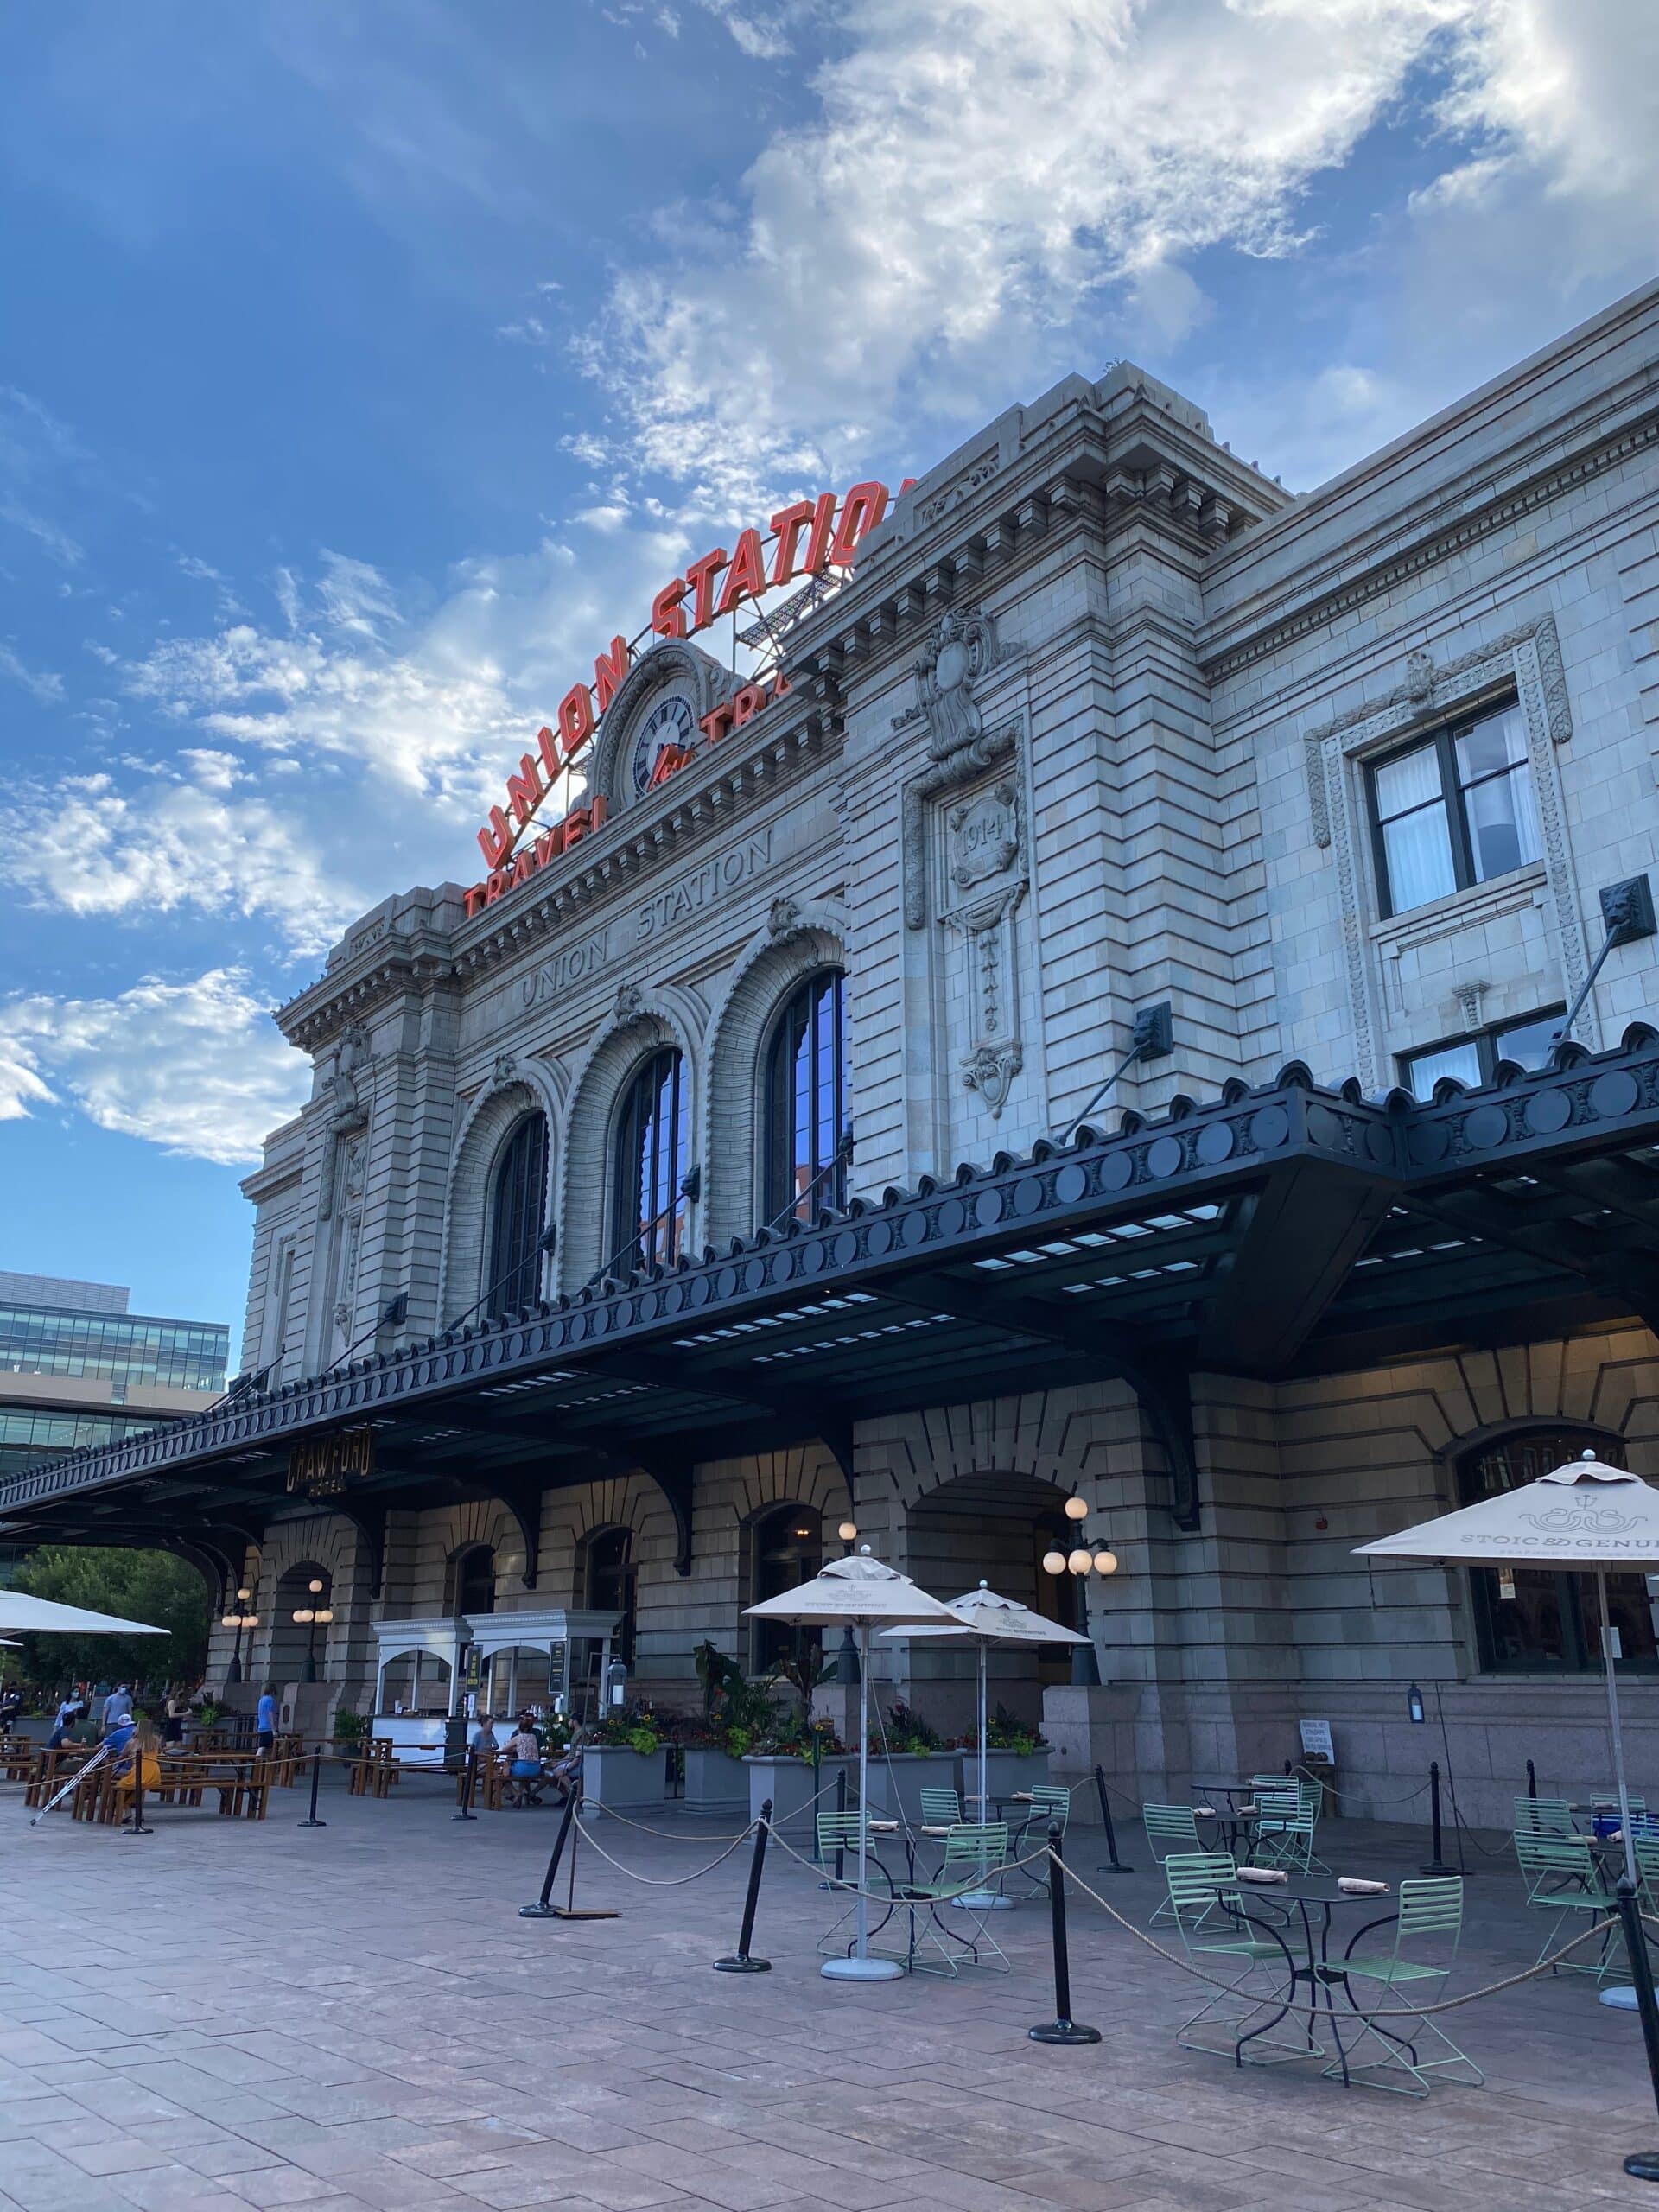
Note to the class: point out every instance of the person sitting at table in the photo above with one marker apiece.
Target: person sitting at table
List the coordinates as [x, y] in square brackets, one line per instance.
[70, 1710]
[525, 1765]
[565, 1773]
[139, 1755]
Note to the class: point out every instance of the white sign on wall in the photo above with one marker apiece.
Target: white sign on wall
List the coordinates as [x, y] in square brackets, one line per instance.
[1316, 1740]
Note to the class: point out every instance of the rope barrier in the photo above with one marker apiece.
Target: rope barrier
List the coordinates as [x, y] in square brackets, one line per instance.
[981, 1877]
[664, 1882]
[1353, 1796]
[668, 1835]
[1410, 2012]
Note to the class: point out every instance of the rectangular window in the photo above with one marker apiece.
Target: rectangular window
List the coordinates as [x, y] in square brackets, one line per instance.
[1473, 1060]
[1454, 810]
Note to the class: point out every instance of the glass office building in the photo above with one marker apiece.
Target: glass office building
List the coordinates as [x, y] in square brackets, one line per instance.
[77, 1369]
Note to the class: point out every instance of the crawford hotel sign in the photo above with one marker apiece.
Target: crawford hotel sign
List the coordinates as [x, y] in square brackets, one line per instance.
[809, 538]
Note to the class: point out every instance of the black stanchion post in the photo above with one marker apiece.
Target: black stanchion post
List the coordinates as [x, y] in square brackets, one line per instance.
[545, 1908]
[1436, 1864]
[311, 1820]
[1062, 2028]
[1114, 1863]
[468, 1782]
[138, 1826]
[1643, 2166]
[739, 1962]
[1532, 1782]
[840, 1807]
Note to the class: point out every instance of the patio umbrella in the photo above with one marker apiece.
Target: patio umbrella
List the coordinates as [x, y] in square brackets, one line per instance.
[1585, 1515]
[9, 1643]
[859, 1592]
[986, 1618]
[44, 1617]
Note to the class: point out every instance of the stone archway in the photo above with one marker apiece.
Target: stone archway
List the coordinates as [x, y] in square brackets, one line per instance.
[639, 1027]
[995, 1528]
[486, 1130]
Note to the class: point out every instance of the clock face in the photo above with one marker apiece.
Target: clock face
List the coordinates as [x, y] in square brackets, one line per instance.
[669, 723]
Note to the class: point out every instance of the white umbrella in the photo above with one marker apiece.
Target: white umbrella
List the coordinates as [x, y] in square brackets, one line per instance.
[1585, 1515]
[10, 1644]
[986, 1618]
[44, 1617]
[858, 1591]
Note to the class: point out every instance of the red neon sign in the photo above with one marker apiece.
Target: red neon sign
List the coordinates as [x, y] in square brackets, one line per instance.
[805, 539]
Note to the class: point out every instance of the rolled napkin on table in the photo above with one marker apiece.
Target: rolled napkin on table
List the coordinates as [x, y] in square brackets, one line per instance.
[1203, 1812]
[1263, 1874]
[1354, 1886]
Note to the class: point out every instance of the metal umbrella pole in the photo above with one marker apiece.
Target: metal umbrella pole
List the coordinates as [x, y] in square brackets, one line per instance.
[860, 1967]
[985, 1900]
[1613, 1729]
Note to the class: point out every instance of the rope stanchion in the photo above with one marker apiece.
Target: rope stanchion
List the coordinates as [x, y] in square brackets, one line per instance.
[311, 1820]
[468, 1784]
[1641, 2165]
[544, 1908]
[657, 1881]
[136, 1825]
[1114, 1863]
[1062, 2029]
[741, 1960]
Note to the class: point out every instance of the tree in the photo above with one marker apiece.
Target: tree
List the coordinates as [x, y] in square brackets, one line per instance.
[139, 1586]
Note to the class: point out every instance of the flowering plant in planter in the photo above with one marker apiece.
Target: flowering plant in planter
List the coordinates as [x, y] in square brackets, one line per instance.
[1004, 1733]
[908, 1732]
[633, 1729]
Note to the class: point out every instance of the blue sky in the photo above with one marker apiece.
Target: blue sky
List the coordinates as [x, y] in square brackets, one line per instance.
[361, 365]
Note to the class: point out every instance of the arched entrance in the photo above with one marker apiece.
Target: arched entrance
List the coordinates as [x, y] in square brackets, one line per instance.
[303, 1616]
[992, 1529]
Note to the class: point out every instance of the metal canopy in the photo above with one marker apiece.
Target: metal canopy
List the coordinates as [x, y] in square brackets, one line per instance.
[1282, 1230]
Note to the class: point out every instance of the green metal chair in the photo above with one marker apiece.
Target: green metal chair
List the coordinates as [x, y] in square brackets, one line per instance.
[1427, 1931]
[1049, 1801]
[838, 1835]
[975, 1853]
[941, 1808]
[1543, 1816]
[1209, 1914]
[1646, 1847]
[1286, 1815]
[1563, 1878]
[1171, 1828]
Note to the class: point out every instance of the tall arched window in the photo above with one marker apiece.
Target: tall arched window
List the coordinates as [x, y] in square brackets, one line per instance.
[647, 1209]
[469, 1580]
[611, 1583]
[806, 1100]
[785, 1549]
[1539, 1620]
[516, 1196]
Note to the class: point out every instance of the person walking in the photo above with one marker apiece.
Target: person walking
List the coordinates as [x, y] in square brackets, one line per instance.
[265, 1720]
[178, 1708]
[70, 1710]
[117, 1708]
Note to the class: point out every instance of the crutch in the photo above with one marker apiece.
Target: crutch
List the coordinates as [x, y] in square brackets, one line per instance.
[75, 1780]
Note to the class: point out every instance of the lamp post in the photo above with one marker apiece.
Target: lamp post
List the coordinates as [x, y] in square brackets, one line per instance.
[311, 1617]
[1080, 1562]
[847, 1657]
[240, 1619]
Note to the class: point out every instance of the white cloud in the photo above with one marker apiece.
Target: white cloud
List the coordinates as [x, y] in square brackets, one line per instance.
[980, 177]
[194, 834]
[41, 683]
[197, 1067]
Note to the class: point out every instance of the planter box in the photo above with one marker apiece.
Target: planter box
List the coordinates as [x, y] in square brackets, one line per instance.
[790, 1785]
[612, 1775]
[715, 1779]
[896, 1785]
[1005, 1772]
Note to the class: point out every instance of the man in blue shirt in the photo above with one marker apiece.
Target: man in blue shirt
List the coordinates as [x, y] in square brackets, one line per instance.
[117, 1708]
[265, 1721]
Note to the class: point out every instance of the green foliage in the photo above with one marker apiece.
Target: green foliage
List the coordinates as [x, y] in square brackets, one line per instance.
[632, 1729]
[717, 1672]
[908, 1732]
[803, 1672]
[1004, 1733]
[350, 1727]
[140, 1586]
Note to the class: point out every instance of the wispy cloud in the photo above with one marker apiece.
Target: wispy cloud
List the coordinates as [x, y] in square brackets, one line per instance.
[44, 685]
[196, 1067]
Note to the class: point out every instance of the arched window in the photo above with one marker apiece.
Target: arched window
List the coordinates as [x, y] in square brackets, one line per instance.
[805, 1105]
[469, 1580]
[647, 1209]
[516, 1200]
[785, 1549]
[611, 1584]
[1539, 1620]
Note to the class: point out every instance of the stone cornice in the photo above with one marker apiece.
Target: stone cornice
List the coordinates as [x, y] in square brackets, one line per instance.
[1509, 488]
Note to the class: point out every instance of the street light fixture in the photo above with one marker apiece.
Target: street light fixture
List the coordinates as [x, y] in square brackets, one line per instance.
[311, 1617]
[1080, 1561]
[238, 1620]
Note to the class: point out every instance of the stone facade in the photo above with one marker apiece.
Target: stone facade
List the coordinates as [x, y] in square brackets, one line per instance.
[1086, 730]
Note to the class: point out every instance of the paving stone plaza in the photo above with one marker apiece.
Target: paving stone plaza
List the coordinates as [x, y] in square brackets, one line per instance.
[224, 2014]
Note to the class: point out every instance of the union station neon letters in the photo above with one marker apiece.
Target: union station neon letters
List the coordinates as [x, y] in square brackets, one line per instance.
[805, 539]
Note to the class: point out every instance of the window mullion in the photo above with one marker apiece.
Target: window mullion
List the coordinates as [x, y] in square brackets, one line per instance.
[1463, 856]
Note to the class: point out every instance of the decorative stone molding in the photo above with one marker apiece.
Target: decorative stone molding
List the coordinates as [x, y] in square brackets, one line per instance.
[1427, 694]
[995, 1054]
[347, 1107]
[1470, 998]
[960, 746]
